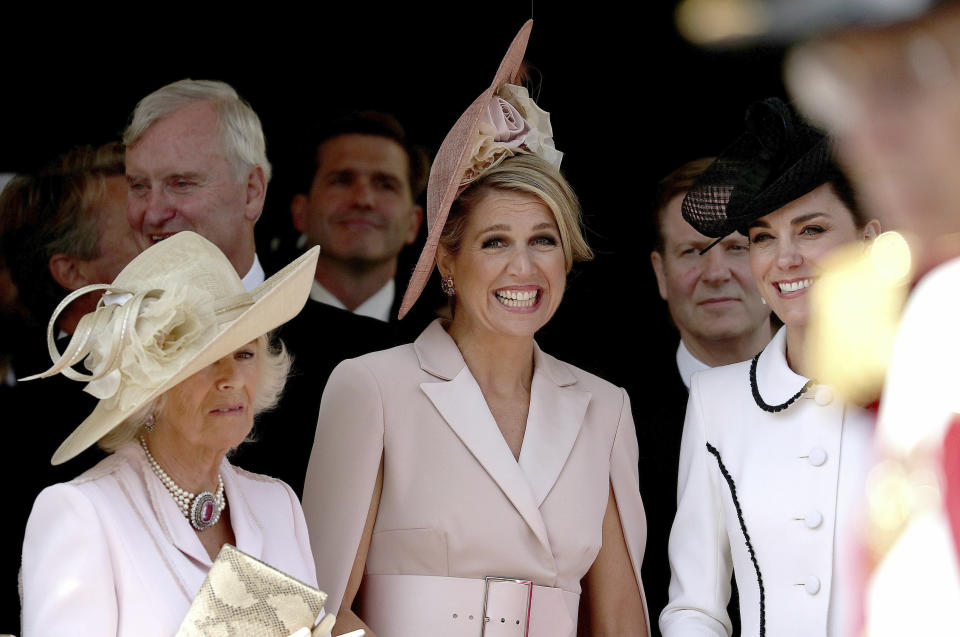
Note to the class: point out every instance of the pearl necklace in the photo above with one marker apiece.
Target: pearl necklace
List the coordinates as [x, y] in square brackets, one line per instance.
[201, 509]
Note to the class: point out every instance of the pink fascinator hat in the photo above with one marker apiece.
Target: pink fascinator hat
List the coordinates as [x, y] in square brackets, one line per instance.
[500, 123]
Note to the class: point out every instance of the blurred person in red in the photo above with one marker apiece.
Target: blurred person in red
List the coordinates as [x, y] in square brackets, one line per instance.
[891, 96]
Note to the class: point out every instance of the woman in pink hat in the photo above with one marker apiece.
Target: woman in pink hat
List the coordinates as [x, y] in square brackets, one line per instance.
[469, 483]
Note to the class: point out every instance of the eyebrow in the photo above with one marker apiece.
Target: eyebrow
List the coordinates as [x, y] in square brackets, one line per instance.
[807, 217]
[497, 227]
[167, 177]
[760, 223]
[502, 227]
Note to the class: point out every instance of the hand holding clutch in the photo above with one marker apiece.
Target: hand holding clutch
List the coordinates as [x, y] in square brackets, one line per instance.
[243, 596]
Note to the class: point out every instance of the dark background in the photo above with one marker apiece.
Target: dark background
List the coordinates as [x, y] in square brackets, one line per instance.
[629, 99]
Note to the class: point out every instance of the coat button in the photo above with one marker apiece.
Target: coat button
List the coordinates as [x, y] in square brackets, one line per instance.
[817, 456]
[812, 585]
[823, 396]
[813, 519]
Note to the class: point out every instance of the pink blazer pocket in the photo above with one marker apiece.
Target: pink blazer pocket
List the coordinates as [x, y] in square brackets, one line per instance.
[408, 552]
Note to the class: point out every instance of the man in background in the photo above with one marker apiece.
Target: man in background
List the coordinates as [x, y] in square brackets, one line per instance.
[358, 203]
[196, 160]
[716, 307]
[360, 206]
[62, 229]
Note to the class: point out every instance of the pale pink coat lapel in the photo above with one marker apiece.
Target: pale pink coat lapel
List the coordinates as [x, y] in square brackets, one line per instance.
[557, 410]
[553, 423]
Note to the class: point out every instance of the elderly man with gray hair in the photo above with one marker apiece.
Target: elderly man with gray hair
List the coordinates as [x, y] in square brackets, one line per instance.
[196, 160]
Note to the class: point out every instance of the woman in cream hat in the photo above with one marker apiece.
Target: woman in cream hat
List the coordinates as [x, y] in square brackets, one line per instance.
[181, 365]
[479, 485]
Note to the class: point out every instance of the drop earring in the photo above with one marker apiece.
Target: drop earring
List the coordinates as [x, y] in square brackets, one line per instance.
[446, 284]
[149, 423]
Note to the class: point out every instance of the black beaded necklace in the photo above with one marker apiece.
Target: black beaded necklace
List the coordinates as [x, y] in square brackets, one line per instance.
[757, 398]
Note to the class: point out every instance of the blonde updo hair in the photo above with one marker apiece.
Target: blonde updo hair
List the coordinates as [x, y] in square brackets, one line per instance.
[524, 173]
[274, 366]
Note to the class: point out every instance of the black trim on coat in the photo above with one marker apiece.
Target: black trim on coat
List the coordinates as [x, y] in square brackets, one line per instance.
[746, 536]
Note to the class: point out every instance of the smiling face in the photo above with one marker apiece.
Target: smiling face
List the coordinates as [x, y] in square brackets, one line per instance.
[180, 179]
[509, 271]
[712, 297]
[214, 408]
[359, 209]
[787, 245]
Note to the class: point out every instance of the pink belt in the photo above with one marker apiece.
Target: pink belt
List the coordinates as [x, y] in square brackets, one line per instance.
[426, 605]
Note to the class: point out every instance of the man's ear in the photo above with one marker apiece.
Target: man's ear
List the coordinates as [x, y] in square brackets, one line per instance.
[256, 194]
[67, 271]
[656, 259]
[298, 209]
[416, 218]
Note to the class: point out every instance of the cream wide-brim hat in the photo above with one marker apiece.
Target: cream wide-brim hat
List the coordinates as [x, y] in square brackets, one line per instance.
[452, 160]
[150, 317]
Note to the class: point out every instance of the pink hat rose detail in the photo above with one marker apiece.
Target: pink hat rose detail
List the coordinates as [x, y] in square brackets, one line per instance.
[511, 123]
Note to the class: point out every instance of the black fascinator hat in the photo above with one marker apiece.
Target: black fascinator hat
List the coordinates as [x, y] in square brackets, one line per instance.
[778, 158]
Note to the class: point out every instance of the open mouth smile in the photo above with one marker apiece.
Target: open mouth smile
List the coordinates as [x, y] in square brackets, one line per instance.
[793, 288]
[519, 299]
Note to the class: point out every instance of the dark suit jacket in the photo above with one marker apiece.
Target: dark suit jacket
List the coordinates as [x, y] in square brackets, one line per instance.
[659, 431]
[319, 338]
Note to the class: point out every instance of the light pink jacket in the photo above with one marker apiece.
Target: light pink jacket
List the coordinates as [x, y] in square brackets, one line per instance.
[455, 502]
[109, 553]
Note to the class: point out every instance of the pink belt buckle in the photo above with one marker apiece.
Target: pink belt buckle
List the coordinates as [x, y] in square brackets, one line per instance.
[522, 622]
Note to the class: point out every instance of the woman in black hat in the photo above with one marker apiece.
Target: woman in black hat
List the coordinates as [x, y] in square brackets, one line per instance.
[771, 463]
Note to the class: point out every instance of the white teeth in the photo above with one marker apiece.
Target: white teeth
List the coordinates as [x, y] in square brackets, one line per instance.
[794, 286]
[516, 298]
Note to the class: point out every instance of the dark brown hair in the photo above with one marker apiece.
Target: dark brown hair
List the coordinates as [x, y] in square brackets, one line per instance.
[676, 183]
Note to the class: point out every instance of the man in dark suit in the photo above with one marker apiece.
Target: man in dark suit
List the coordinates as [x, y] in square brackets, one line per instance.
[62, 229]
[359, 204]
[715, 305]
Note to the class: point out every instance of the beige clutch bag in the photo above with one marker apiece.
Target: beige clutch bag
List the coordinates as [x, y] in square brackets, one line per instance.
[244, 596]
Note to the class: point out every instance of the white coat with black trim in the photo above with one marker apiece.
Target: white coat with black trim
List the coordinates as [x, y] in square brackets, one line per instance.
[767, 497]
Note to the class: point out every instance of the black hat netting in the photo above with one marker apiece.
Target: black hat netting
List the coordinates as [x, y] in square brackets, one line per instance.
[777, 159]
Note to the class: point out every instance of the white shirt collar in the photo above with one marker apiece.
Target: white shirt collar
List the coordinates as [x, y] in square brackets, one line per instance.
[377, 306]
[776, 382]
[255, 276]
[688, 364]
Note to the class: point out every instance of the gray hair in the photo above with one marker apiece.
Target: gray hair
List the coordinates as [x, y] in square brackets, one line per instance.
[238, 127]
[272, 376]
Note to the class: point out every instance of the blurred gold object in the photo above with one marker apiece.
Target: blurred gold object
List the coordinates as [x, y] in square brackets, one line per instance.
[897, 490]
[716, 21]
[854, 313]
